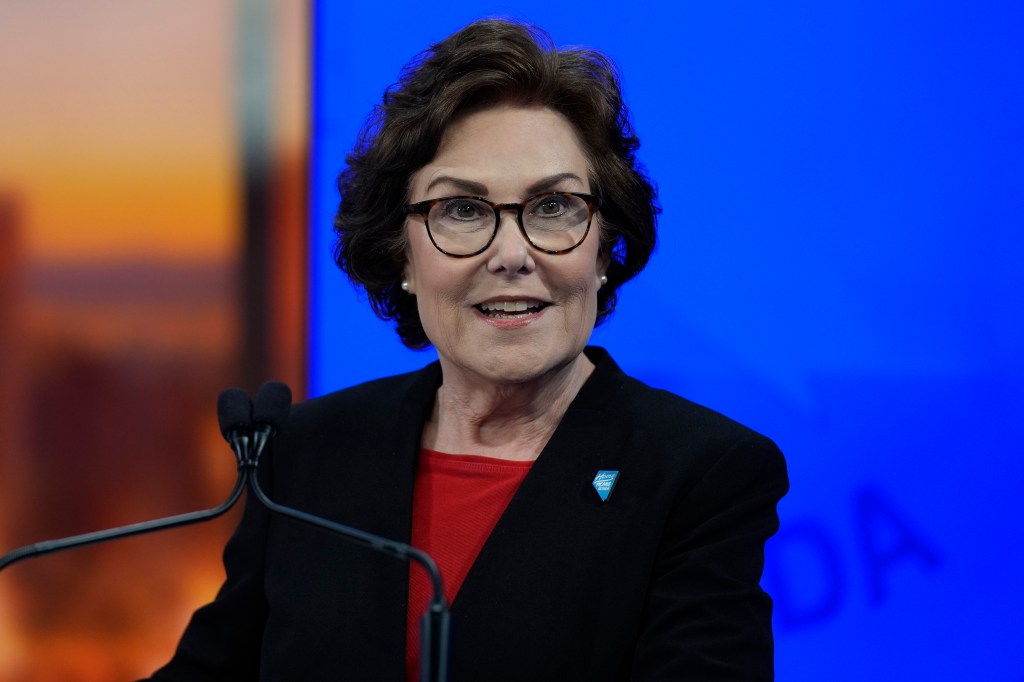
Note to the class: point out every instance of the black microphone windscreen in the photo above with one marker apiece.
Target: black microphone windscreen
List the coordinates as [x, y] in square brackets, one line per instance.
[272, 405]
[234, 411]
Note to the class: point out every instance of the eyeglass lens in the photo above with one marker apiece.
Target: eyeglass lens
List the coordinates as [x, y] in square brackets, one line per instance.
[553, 222]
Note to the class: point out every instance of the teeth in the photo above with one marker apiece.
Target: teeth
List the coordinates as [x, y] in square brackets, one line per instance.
[507, 306]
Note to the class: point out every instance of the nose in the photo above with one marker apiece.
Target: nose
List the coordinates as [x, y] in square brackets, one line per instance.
[509, 253]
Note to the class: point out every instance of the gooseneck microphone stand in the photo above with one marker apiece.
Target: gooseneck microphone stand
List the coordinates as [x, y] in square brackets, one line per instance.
[49, 546]
[249, 426]
[234, 420]
[270, 412]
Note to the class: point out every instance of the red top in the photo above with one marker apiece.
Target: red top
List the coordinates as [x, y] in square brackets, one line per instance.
[456, 503]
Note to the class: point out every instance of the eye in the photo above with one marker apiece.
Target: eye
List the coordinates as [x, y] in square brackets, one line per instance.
[464, 210]
[550, 206]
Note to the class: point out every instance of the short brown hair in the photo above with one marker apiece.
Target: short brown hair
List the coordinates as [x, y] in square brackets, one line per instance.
[489, 62]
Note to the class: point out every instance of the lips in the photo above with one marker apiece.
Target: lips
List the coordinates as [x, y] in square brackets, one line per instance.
[510, 309]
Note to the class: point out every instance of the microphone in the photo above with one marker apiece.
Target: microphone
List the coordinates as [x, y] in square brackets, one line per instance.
[234, 414]
[234, 411]
[270, 411]
[269, 415]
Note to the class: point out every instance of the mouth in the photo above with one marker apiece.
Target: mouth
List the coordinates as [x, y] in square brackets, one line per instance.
[510, 310]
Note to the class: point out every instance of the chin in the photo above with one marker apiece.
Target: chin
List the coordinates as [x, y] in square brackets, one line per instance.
[523, 365]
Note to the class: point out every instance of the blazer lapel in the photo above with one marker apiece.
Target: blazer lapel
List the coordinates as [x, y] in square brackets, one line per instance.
[395, 502]
[372, 587]
[555, 519]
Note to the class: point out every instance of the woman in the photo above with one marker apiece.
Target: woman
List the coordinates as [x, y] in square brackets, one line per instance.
[588, 527]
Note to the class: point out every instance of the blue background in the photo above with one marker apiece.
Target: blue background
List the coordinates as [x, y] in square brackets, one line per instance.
[843, 193]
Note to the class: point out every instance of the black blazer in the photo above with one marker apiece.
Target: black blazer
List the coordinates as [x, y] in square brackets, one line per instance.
[661, 582]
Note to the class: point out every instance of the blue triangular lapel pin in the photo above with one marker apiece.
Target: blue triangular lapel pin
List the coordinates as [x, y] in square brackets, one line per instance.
[604, 482]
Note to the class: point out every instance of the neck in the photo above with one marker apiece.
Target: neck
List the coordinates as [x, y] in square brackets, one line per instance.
[503, 420]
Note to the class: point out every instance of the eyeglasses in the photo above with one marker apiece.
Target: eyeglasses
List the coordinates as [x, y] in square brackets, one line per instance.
[552, 222]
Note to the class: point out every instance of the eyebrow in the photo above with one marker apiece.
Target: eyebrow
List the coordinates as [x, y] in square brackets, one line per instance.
[480, 189]
[464, 185]
[545, 184]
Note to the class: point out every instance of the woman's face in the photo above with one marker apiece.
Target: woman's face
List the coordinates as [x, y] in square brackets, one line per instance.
[504, 154]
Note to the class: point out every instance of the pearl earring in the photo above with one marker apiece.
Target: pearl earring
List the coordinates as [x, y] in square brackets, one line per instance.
[604, 280]
[405, 285]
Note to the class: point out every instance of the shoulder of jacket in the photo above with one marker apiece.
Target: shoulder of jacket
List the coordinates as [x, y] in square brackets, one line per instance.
[675, 416]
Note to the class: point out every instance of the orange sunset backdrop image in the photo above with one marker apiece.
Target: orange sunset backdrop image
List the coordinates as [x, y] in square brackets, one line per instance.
[123, 257]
